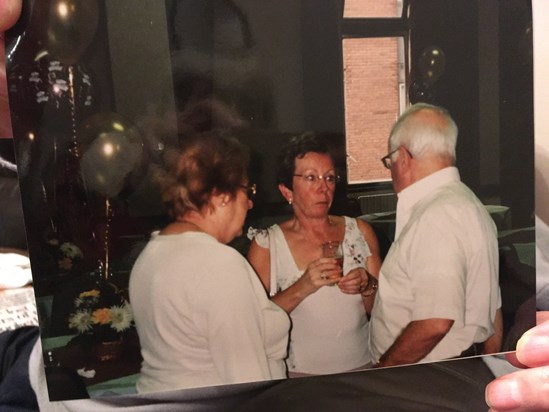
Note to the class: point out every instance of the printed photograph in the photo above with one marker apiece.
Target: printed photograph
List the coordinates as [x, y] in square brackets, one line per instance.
[293, 194]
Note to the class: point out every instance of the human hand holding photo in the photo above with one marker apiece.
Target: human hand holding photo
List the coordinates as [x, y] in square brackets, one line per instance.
[9, 13]
[526, 390]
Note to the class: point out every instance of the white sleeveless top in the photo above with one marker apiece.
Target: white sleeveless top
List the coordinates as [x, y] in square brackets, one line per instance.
[329, 331]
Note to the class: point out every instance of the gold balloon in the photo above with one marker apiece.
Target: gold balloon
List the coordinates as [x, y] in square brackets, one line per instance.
[70, 27]
[111, 150]
[432, 62]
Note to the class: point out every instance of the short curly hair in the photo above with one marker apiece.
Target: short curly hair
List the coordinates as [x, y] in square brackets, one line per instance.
[296, 148]
[208, 162]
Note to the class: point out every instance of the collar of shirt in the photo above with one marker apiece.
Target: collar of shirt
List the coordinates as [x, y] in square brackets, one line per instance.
[407, 198]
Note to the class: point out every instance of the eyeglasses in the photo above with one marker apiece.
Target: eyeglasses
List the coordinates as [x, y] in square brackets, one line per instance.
[251, 190]
[387, 161]
[311, 178]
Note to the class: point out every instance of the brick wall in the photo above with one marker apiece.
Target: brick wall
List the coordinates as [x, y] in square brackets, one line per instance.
[370, 8]
[371, 104]
[371, 92]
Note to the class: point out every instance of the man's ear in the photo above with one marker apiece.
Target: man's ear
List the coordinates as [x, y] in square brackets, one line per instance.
[286, 193]
[404, 156]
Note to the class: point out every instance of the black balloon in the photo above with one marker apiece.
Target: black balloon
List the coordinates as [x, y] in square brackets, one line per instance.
[111, 151]
[431, 64]
[421, 92]
[70, 27]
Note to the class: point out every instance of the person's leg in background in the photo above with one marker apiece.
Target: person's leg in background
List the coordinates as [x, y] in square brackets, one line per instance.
[16, 393]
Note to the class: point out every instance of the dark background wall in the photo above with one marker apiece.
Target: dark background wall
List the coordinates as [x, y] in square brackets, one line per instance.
[452, 26]
[278, 66]
[487, 86]
[516, 109]
[270, 70]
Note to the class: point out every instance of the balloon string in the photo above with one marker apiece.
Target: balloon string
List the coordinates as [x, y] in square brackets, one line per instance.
[69, 162]
[107, 236]
[53, 226]
[73, 111]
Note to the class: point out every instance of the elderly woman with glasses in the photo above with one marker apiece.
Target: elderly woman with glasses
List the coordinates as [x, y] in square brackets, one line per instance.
[329, 324]
[201, 313]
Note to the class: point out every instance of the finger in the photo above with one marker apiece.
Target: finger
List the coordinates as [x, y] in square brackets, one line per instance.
[354, 275]
[520, 391]
[329, 276]
[345, 287]
[512, 358]
[349, 288]
[334, 281]
[542, 316]
[9, 13]
[330, 270]
[345, 280]
[533, 346]
[328, 262]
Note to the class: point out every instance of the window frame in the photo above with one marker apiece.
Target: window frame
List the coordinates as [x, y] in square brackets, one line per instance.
[378, 27]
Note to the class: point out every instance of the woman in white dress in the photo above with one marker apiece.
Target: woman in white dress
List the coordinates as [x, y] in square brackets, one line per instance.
[201, 313]
[329, 324]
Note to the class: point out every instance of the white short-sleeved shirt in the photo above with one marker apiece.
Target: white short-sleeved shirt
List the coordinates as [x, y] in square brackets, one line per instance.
[202, 316]
[442, 264]
[329, 328]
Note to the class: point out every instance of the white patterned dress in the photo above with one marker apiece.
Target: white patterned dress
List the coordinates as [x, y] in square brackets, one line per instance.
[329, 331]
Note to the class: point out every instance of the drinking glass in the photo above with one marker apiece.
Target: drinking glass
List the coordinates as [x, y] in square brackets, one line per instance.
[333, 249]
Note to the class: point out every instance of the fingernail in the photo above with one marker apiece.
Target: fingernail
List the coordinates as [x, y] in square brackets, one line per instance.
[531, 341]
[532, 349]
[503, 394]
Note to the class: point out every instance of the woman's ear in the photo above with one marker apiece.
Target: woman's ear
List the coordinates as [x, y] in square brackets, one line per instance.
[219, 199]
[286, 193]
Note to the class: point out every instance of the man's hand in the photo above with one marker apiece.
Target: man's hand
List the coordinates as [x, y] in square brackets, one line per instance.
[493, 343]
[415, 342]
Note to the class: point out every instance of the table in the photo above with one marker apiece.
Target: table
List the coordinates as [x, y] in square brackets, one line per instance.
[385, 222]
[501, 215]
[112, 377]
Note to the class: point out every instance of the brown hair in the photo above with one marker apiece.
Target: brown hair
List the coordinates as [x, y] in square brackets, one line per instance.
[296, 148]
[208, 162]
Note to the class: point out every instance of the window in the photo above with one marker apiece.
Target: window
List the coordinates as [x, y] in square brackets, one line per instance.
[374, 79]
[372, 8]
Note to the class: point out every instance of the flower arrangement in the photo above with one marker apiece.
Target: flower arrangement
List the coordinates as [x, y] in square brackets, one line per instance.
[67, 255]
[101, 314]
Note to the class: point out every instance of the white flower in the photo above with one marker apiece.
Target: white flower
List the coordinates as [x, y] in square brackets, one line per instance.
[253, 232]
[121, 317]
[81, 321]
[70, 250]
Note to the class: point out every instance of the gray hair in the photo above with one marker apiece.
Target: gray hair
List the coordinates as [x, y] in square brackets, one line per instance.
[422, 137]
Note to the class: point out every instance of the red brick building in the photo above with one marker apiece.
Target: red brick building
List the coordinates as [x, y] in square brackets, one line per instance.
[373, 86]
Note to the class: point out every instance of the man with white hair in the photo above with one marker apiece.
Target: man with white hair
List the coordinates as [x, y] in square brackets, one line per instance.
[438, 287]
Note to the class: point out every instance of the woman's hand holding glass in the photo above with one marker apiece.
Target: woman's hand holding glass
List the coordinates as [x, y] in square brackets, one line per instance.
[358, 280]
[319, 273]
[352, 282]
